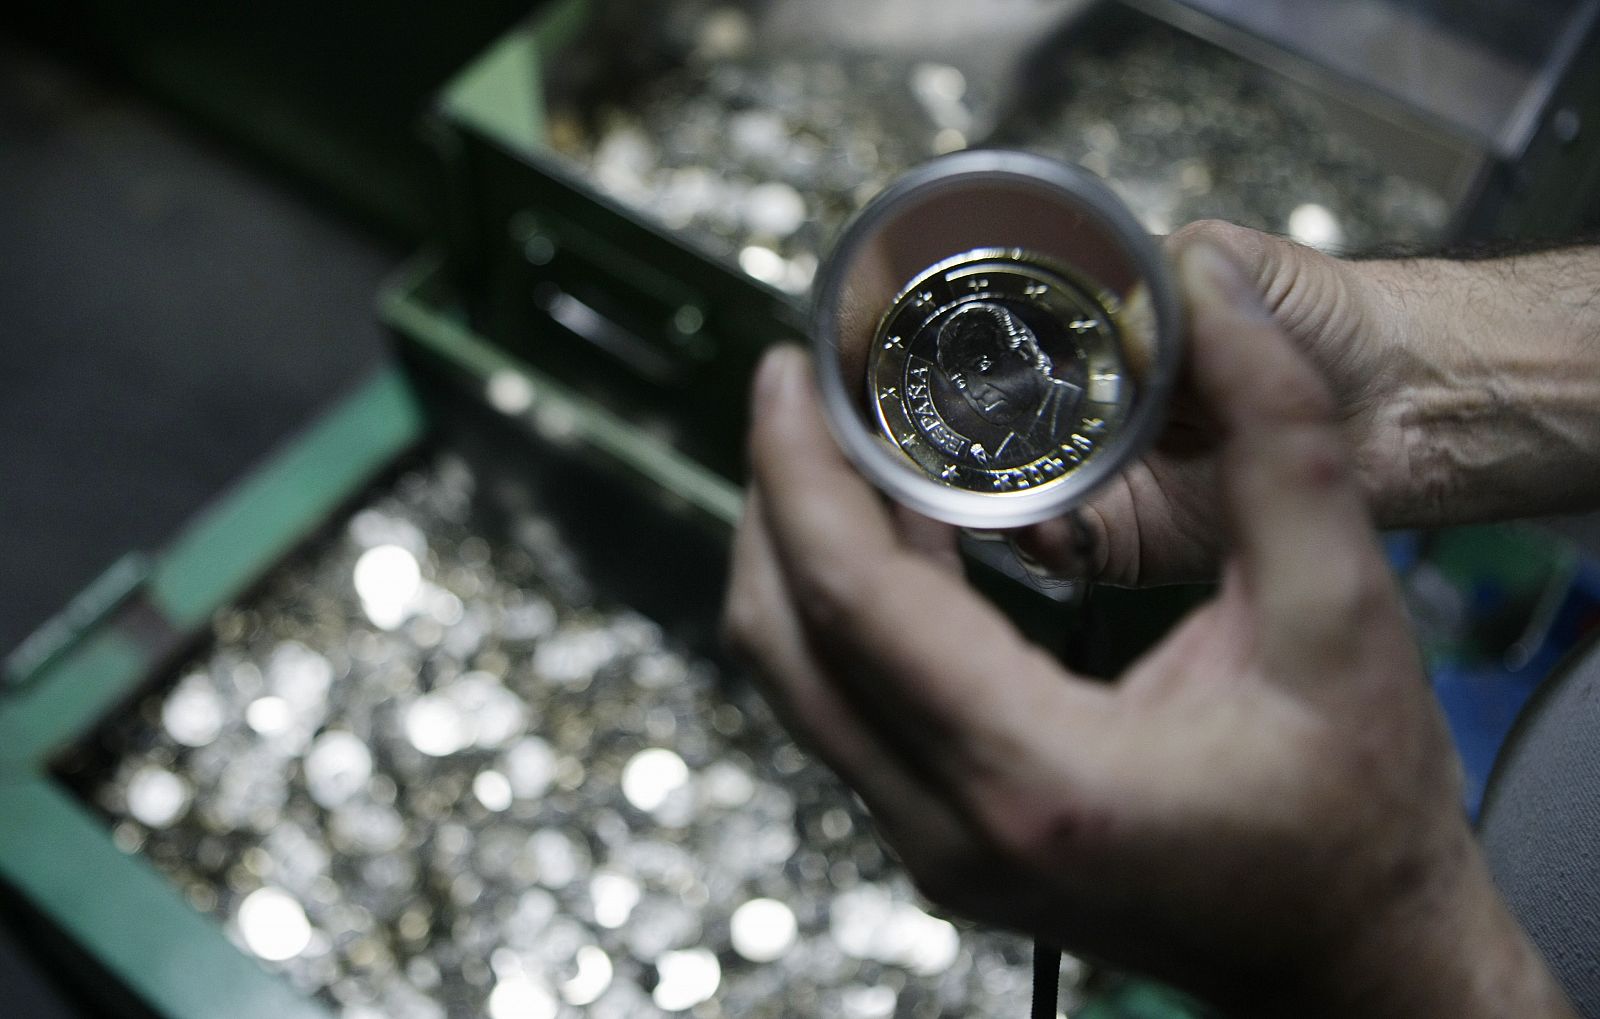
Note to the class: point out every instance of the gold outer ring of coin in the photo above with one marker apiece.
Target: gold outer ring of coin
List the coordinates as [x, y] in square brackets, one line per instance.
[914, 399]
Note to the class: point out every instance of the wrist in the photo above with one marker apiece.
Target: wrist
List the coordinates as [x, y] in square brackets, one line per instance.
[1449, 949]
[1423, 935]
[1488, 391]
[1440, 944]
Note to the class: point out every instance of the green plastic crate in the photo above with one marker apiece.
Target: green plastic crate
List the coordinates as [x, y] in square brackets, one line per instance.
[129, 630]
[141, 947]
[658, 329]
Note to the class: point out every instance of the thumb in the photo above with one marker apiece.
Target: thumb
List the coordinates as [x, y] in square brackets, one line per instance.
[1319, 301]
[1297, 522]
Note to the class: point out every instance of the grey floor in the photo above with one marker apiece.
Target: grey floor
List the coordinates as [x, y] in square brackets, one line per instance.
[168, 315]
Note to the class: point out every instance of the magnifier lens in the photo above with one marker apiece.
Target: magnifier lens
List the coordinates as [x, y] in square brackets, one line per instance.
[996, 336]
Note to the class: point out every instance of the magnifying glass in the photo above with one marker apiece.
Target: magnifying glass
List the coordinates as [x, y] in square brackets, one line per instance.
[995, 336]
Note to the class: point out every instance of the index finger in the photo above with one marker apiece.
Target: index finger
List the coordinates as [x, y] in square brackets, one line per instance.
[937, 657]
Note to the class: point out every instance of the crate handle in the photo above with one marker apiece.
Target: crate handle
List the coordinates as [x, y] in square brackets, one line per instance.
[599, 329]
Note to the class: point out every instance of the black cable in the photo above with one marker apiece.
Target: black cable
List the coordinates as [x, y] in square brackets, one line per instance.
[1046, 978]
[1046, 956]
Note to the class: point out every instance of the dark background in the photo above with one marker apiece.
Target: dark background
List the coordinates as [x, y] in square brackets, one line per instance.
[196, 206]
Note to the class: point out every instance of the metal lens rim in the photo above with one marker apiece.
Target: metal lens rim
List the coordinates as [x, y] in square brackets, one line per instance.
[903, 481]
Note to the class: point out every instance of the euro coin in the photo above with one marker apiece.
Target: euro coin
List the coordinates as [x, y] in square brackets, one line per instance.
[997, 372]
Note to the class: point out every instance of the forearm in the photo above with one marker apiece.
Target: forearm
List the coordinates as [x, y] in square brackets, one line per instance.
[1492, 388]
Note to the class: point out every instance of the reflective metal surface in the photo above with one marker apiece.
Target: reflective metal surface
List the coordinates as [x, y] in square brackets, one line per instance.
[729, 126]
[425, 774]
[996, 372]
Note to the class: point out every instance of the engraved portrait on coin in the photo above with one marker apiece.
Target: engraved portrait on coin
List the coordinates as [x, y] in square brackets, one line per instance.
[994, 361]
[996, 372]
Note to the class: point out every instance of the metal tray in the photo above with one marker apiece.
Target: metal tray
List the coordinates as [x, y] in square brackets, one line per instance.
[583, 264]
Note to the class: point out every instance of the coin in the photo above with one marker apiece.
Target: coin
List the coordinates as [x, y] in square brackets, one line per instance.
[998, 372]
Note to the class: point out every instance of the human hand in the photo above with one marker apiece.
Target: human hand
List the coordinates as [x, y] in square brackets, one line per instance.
[1265, 809]
[1466, 391]
[1159, 521]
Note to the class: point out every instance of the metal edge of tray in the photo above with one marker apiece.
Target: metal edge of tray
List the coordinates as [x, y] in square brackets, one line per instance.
[1492, 171]
[214, 559]
[501, 91]
[615, 336]
[1469, 91]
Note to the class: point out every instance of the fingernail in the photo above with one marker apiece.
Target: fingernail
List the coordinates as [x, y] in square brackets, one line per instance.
[777, 373]
[1209, 275]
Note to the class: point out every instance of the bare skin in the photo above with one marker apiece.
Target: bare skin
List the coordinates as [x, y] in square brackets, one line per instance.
[1263, 810]
[1468, 391]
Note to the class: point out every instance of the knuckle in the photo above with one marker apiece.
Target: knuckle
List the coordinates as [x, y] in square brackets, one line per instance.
[1333, 619]
[1315, 458]
[1295, 394]
[1241, 242]
[1308, 290]
[831, 600]
[1048, 836]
